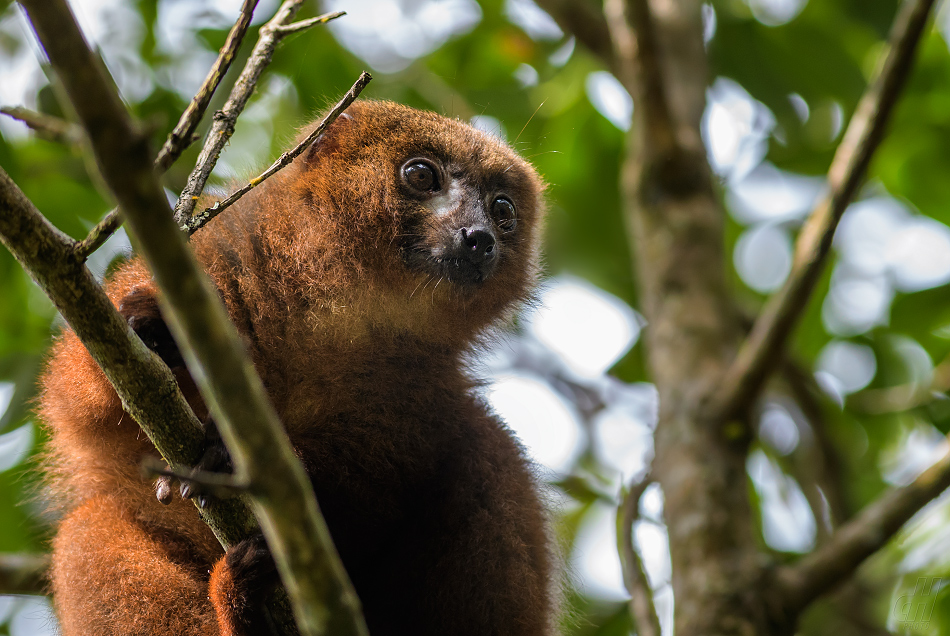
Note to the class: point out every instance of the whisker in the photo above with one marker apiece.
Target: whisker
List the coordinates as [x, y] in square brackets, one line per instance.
[418, 286]
[543, 152]
[529, 121]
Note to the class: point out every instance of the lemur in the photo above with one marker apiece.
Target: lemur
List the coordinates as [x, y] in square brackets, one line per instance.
[360, 277]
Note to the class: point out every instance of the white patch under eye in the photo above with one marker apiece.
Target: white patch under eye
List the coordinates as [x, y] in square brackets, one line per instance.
[448, 200]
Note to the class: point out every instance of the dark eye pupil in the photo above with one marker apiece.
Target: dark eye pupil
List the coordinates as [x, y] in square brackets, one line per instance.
[421, 176]
[504, 212]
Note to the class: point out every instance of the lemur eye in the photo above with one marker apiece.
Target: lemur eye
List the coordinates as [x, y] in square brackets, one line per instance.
[421, 175]
[503, 211]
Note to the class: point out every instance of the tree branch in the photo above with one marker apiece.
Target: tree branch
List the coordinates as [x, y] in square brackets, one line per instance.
[586, 23]
[675, 221]
[761, 351]
[827, 460]
[303, 25]
[225, 119]
[634, 33]
[196, 222]
[859, 538]
[23, 573]
[635, 579]
[183, 134]
[145, 385]
[46, 126]
[323, 599]
[147, 389]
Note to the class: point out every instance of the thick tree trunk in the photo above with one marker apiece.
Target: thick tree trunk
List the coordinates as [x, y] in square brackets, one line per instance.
[675, 219]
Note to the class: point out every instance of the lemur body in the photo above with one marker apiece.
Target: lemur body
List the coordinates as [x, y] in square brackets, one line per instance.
[360, 277]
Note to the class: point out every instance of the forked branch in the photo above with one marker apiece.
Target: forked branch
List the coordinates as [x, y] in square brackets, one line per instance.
[859, 538]
[199, 220]
[762, 349]
[183, 134]
[222, 127]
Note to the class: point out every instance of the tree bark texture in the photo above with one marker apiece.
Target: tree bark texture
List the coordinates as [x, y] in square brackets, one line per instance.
[675, 219]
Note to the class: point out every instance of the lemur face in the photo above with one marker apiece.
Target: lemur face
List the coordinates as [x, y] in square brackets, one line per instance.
[437, 205]
[468, 223]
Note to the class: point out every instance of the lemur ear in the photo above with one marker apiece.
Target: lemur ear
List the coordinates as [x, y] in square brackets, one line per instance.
[329, 141]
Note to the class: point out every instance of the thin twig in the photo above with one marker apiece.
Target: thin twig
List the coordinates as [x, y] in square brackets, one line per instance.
[184, 132]
[302, 25]
[46, 126]
[761, 351]
[642, 608]
[859, 538]
[182, 135]
[323, 598]
[23, 573]
[827, 464]
[196, 222]
[225, 119]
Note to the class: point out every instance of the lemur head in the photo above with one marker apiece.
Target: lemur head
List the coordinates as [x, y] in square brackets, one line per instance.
[430, 213]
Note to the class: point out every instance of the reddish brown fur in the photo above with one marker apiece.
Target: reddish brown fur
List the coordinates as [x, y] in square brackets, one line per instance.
[431, 504]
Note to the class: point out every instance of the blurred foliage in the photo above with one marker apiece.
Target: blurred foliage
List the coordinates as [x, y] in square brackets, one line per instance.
[824, 55]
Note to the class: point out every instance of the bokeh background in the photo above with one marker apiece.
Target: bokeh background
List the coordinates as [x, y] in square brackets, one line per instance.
[568, 377]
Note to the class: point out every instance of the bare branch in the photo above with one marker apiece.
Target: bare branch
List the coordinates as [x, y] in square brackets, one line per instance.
[583, 20]
[99, 234]
[146, 387]
[856, 540]
[827, 460]
[635, 579]
[181, 137]
[225, 119]
[761, 351]
[183, 134]
[303, 25]
[322, 596]
[46, 126]
[199, 220]
[23, 573]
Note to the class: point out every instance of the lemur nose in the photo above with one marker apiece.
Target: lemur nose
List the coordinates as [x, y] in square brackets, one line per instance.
[480, 243]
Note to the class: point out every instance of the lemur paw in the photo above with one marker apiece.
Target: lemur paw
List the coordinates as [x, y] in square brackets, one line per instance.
[241, 579]
[250, 562]
[140, 310]
[215, 459]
